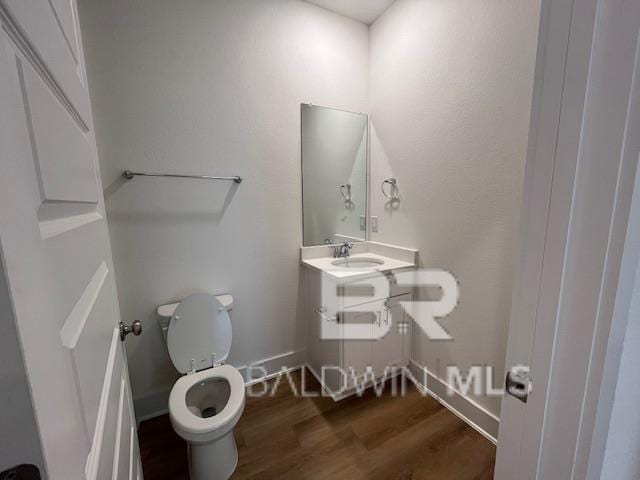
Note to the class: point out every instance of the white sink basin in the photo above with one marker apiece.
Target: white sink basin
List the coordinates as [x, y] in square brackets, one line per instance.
[358, 262]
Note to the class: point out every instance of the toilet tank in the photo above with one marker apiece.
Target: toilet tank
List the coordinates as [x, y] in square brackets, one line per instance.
[165, 312]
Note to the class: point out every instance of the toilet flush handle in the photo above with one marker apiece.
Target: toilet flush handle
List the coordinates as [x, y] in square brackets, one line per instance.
[135, 328]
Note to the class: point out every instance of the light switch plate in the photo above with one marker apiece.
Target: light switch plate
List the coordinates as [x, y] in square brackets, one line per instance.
[374, 224]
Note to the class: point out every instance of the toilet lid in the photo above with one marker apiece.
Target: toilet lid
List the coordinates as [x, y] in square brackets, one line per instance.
[199, 330]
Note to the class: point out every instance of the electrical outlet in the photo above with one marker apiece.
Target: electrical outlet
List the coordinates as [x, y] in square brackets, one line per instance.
[374, 224]
[363, 223]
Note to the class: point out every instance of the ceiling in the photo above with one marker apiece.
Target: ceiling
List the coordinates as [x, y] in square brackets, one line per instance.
[365, 11]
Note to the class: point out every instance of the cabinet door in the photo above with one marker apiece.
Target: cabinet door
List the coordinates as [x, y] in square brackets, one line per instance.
[392, 350]
[323, 355]
[357, 354]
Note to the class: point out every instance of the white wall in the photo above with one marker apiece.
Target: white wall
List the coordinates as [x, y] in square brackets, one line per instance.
[215, 87]
[450, 93]
[212, 87]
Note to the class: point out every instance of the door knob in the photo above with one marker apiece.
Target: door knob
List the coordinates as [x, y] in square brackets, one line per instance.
[135, 328]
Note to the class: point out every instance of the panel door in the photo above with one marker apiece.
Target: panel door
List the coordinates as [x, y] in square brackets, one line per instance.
[357, 353]
[55, 245]
[392, 350]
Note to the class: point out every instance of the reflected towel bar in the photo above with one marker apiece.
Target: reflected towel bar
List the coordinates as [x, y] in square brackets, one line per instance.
[128, 174]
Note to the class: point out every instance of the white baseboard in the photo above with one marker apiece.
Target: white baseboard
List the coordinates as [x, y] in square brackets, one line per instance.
[151, 406]
[336, 397]
[272, 366]
[156, 404]
[469, 411]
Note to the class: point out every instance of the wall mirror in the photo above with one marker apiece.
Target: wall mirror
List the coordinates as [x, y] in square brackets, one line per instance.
[334, 175]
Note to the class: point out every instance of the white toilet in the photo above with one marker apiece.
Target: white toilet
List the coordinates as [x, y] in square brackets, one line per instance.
[207, 401]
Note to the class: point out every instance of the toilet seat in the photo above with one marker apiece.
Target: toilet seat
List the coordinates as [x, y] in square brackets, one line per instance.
[197, 429]
[200, 333]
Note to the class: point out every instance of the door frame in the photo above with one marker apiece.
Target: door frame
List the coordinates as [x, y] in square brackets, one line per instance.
[559, 224]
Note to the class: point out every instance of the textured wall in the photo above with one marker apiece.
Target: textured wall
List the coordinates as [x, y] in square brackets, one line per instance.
[212, 87]
[450, 93]
[215, 87]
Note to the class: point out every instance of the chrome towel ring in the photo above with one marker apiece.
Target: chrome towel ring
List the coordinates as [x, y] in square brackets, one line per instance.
[394, 191]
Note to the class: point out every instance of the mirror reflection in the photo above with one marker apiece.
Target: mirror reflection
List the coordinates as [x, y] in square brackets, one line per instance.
[334, 175]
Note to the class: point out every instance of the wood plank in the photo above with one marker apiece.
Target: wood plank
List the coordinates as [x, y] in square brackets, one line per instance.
[286, 436]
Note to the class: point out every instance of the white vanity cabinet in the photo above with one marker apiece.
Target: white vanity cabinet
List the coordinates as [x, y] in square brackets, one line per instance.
[344, 364]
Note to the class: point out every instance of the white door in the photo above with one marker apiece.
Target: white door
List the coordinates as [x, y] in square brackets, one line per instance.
[55, 246]
[356, 354]
[392, 350]
[583, 155]
[379, 354]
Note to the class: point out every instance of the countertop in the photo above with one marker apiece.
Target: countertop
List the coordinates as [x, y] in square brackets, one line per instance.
[323, 264]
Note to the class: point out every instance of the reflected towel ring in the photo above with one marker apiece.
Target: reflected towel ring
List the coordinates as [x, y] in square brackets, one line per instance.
[345, 190]
[394, 192]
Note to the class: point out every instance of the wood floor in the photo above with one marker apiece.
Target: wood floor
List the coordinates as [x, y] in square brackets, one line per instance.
[286, 436]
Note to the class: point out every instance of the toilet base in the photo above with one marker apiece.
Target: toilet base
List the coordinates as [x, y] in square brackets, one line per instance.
[213, 461]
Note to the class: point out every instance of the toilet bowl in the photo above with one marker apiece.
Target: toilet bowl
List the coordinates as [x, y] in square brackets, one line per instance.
[204, 407]
[206, 403]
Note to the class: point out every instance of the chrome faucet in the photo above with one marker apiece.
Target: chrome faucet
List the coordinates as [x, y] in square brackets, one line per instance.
[343, 250]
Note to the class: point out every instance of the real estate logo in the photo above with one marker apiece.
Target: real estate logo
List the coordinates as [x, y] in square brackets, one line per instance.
[336, 324]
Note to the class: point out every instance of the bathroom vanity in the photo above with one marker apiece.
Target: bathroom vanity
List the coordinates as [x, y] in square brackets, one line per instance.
[355, 290]
[358, 331]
